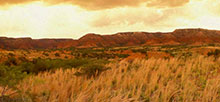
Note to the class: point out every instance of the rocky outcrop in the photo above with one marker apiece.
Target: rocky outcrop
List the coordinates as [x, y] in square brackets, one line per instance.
[178, 37]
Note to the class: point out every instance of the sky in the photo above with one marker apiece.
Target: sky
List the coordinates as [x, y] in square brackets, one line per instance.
[75, 18]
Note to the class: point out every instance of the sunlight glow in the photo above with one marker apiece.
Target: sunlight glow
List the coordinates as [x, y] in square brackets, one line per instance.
[39, 20]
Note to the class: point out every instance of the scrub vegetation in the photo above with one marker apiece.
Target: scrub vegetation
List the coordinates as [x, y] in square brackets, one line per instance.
[143, 74]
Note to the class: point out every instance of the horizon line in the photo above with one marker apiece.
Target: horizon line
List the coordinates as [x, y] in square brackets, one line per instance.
[69, 38]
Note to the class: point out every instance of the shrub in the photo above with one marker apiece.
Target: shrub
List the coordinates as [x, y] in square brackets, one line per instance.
[41, 65]
[46, 54]
[57, 54]
[215, 53]
[122, 55]
[9, 77]
[11, 54]
[23, 59]
[11, 61]
[91, 70]
[143, 51]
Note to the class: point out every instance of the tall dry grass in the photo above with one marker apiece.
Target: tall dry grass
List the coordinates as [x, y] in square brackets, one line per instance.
[157, 80]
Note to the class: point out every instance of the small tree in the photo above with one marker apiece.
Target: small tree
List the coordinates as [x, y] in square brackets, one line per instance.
[57, 54]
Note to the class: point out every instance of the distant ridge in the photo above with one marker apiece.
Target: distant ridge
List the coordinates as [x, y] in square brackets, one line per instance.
[178, 37]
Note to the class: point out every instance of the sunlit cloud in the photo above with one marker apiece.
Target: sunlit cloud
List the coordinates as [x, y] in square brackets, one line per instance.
[101, 4]
[75, 18]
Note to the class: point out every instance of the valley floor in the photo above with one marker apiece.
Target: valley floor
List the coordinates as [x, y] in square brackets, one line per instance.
[179, 74]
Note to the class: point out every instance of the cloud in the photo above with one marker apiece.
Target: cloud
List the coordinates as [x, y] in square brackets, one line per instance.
[98, 4]
[103, 4]
[12, 2]
[166, 3]
[125, 16]
[146, 16]
[213, 6]
[38, 21]
[107, 4]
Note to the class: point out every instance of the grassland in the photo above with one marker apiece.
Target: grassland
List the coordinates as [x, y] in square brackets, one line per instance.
[128, 74]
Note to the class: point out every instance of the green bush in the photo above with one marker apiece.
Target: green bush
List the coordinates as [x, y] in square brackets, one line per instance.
[143, 51]
[45, 54]
[215, 53]
[122, 55]
[9, 77]
[11, 54]
[23, 59]
[40, 65]
[11, 61]
[91, 70]
[57, 54]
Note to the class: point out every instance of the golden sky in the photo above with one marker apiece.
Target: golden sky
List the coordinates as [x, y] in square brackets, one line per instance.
[75, 18]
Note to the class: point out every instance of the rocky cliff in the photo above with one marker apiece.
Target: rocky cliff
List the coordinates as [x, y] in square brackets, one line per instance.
[177, 37]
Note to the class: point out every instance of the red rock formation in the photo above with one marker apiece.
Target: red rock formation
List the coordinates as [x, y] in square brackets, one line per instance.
[179, 36]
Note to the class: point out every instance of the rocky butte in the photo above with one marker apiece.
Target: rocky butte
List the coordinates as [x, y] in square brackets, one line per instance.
[177, 37]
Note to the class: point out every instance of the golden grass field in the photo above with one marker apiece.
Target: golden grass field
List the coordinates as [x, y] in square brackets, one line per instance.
[189, 75]
[195, 79]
